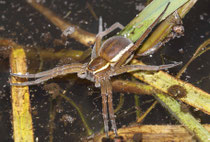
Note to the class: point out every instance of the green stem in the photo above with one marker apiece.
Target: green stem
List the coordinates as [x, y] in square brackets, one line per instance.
[137, 105]
[121, 102]
[185, 118]
[139, 120]
[89, 131]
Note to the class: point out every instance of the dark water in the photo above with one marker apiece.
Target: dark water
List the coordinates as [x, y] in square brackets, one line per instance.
[24, 25]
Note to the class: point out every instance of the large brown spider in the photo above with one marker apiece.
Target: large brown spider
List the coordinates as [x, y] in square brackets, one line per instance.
[107, 60]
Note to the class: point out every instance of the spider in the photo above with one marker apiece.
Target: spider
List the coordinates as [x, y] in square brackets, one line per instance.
[107, 60]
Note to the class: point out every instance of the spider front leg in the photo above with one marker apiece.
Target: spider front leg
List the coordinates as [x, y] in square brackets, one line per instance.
[37, 81]
[46, 75]
[55, 70]
[99, 37]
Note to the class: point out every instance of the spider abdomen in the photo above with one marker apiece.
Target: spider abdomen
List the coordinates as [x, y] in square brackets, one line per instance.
[114, 48]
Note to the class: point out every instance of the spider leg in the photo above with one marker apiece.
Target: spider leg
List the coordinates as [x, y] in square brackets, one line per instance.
[50, 76]
[110, 106]
[130, 68]
[56, 70]
[99, 37]
[100, 29]
[28, 83]
[100, 25]
[104, 107]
